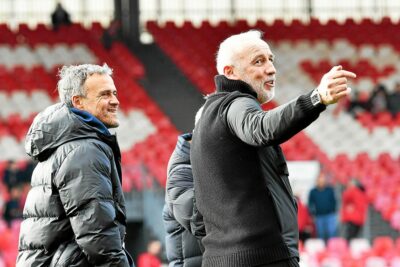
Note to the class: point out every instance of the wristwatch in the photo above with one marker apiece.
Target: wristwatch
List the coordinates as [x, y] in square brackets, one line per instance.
[315, 98]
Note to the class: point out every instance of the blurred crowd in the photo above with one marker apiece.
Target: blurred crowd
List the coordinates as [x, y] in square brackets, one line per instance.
[379, 100]
[14, 189]
[326, 208]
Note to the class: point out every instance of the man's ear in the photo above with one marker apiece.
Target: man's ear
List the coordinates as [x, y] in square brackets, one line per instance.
[229, 73]
[77, 102]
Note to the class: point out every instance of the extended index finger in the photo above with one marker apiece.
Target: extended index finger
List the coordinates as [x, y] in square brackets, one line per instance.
[343, 73]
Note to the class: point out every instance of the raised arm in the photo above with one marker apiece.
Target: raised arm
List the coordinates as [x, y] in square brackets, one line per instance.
[254, 126]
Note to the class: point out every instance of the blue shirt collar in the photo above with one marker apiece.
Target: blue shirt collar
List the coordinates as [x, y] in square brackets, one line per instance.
[91, 120]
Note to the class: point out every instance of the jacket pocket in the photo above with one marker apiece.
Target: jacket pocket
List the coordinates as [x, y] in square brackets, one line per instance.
[69, 254]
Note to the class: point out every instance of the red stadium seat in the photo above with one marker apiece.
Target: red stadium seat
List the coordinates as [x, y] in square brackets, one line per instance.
[337, 247]
[382, 245]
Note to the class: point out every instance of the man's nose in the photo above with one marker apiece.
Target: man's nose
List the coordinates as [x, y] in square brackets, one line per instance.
[114, 100]
[270, 69]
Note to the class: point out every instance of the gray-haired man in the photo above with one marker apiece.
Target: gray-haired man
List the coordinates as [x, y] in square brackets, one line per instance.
[74, 214]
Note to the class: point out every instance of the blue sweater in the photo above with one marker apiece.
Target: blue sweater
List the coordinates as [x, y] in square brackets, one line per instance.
[322, 201]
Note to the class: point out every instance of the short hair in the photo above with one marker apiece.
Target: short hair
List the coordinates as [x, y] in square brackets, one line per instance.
[72, 79]
[231, 46]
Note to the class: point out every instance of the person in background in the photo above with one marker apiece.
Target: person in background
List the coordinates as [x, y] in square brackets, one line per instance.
[60, 17]
[182, 221]
[13, 208]
[74, 214]
[150, 258]
[322, 204]
[111, 34]
[241, 179]
[378, 101]
[394, 100]
[13, 175]
[358, 103]
[354, 209]
[27, 172]
[306, 224]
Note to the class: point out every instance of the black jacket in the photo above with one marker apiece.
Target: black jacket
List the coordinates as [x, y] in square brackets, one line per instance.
[183, 223]
[241, 177]
[74, 214]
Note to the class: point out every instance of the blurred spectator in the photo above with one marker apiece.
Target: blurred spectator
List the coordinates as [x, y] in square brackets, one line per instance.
[353, 210]
[358, 102]
[378, 102]
[12, 175]
[26, 174]
[151, 257]
[60, 17]
[322, 205]
[13, 208]
[111, 34]
[306, 225]
[394, 100]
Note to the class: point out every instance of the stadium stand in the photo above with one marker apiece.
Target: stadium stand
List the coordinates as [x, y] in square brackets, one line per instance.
[30, 61]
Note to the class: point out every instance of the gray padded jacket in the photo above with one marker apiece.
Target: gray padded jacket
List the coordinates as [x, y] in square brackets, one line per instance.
[183, 223]
[74, 214]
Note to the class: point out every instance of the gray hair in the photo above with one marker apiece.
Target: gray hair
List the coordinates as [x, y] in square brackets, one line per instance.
[72, 79]
[233, 45]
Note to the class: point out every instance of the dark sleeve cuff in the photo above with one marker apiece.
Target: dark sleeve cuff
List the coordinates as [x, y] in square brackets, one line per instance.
[307, 105]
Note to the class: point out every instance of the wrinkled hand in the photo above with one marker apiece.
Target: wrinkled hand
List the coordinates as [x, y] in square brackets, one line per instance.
[333, 85]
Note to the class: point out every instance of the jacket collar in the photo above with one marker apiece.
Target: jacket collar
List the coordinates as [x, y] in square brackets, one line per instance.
[91, 120]
[224, 84]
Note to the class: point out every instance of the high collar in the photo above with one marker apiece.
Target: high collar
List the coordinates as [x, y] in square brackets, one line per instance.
[91, 120]
[224, 84]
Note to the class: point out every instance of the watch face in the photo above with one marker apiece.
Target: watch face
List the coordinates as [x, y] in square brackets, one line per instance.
[315, 98]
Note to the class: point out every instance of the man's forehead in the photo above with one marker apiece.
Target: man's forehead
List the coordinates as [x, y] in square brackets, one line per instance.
[99, 83]
[99, 78]
[258, 48]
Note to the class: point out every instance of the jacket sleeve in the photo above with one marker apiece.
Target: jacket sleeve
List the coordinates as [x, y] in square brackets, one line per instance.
[85, 189]
[256, 127]
[180, 199]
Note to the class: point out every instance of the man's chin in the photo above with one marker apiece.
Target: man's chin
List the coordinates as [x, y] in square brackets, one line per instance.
[268, 100]
[113, 124]
[268, 96]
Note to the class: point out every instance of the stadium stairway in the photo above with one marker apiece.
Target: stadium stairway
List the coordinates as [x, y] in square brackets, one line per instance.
[167, 86]
[379, 226]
